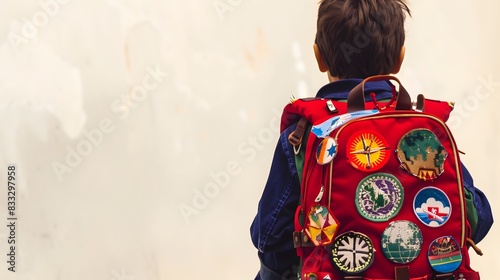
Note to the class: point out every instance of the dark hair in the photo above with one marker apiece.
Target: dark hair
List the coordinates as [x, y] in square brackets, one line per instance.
[361, 38]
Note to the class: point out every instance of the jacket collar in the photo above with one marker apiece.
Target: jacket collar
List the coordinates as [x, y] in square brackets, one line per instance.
[340, 89]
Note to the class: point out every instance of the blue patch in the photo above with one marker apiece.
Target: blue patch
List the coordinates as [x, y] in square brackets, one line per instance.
[432, 207]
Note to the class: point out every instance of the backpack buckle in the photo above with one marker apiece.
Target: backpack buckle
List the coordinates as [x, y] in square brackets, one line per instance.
[447, 276]
[331, 108]
[295, 138]
[300, 239]
[402, 273]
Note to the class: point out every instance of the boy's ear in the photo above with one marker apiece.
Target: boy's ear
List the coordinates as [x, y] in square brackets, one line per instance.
[399, 62]
[319, 59]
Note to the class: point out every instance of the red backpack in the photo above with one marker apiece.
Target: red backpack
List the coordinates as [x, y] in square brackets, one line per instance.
[382, 193]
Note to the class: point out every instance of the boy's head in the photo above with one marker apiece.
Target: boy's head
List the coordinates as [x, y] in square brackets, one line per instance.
[360, 38]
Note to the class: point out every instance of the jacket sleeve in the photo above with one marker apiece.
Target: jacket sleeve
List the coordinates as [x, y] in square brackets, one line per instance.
[272, 227]
[478, 208]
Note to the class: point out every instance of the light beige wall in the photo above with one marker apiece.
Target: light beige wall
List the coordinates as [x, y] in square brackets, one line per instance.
[120, 115]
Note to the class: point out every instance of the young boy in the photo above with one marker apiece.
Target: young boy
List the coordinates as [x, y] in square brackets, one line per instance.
[355, 39]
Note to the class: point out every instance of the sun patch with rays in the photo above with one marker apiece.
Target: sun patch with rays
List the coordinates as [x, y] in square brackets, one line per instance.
[367, 151]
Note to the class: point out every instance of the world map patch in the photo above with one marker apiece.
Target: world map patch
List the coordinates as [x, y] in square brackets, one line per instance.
[401, 242]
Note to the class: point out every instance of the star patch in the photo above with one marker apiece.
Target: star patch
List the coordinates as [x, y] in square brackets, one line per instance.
[432, 206]
[444, 254]
[367, 151]
[401, 242]
[421, 154]
[379, 197]
[352, 252]
[326, 150]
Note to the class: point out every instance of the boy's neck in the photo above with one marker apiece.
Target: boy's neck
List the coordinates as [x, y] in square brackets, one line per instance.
[332, 78]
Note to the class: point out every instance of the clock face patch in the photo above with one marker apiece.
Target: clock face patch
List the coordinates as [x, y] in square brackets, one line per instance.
[367, 151]
[379, 197]
[421, 154]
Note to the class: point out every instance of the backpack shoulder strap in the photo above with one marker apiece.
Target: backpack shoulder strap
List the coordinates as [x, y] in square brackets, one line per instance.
[297, 138]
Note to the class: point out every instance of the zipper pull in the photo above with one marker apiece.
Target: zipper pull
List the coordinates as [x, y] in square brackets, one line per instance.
[320, 194]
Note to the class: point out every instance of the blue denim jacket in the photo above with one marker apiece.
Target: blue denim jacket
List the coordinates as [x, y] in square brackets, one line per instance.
[272, 228]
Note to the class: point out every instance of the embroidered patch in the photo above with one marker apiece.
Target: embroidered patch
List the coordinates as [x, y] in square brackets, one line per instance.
[432, 206]
[379, 197]
[321, 225]
[367, 151]
[352, 252]
[444, 254]
[401, 241]
[421, 154]
[326, 151]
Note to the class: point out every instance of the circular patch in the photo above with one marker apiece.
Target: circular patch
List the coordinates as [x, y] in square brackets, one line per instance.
[432, 206]
[379, 197]
[421, 154]
[367, 151]
[352, 252]
[444, 254]
[326, 151]
[401, 241]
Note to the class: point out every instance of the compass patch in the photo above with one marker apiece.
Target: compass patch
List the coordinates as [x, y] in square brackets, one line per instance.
[379, 197]
[421, 154]
[367, 151]
[432, 206]
[401, 241]
[444, 254]
[352, 252]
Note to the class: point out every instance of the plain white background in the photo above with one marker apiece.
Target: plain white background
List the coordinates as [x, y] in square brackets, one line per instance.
[143, 131]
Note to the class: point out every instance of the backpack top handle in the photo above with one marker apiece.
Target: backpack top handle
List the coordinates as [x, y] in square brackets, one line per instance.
[356, 98]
